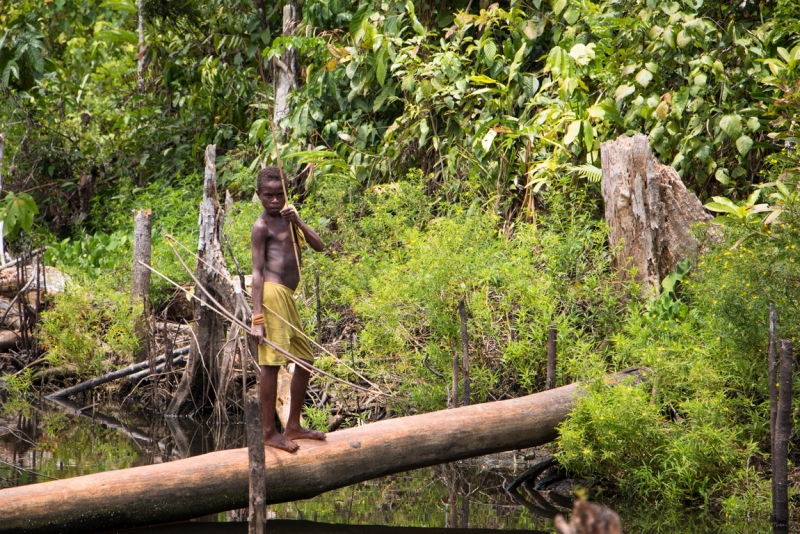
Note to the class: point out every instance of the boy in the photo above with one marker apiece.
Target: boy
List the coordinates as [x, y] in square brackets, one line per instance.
[276, 274]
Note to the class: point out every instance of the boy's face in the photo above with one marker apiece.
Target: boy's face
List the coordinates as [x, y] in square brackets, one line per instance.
[272, 198]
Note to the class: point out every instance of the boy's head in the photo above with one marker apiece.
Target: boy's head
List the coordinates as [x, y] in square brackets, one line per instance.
[266, 175]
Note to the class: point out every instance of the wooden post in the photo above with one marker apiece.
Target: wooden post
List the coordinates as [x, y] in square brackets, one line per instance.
[462, 312]
[140, 283]
[780, 442]
[319, 308]
[551, 357]
[255, 448]
[454, 384]
[772, 363]
[2, 243]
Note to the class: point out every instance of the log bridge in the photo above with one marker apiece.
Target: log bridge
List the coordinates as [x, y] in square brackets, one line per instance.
[218, 481]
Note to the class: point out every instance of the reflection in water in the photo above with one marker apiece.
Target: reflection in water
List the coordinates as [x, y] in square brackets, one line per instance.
[63, 439]
[283, 526]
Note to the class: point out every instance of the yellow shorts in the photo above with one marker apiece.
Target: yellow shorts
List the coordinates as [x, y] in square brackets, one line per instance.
[280, 299]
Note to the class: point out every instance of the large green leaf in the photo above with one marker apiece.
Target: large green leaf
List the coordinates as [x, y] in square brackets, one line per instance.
[731, 125]
[17, 212]
[117, 36]
[744, 144]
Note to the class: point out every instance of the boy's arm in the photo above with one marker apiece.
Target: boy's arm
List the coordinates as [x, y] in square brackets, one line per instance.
[258, 245]
[289, 213]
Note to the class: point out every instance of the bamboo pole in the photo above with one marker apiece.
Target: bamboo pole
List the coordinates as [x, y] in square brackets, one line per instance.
[218, 481]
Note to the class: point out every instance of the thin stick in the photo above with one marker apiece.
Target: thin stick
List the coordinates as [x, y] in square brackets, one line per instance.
[220, 310]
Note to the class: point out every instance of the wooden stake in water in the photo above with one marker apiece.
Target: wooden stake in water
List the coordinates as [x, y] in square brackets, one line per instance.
[780, 442]
[462, 312]
[551, 357]
[257, 517]
[772, 363]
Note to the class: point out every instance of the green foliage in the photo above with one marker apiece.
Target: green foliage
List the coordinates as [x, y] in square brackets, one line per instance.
[16, 213]
[92, 255]
[18, 384]
[315, 418]
[88, 331]
[669, 306]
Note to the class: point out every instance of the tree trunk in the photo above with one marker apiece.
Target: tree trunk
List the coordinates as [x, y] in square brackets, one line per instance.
[140, 283]
[648, 210]
[286, 68]
[208, 372]
[218, 481]
[2, 242]
[140, 58]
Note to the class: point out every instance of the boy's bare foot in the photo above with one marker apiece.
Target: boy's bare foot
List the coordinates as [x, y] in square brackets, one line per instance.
[279, 441]
[303, 433]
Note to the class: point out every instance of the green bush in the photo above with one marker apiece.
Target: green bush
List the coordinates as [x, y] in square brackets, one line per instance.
[90, 332]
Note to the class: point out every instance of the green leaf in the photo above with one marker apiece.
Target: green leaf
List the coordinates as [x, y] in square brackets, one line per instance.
[558, 6]
[744, 144]
[722, 176]
[623, 91]
[572, 132]
[753, 124]
[489, 52]
[644, 77]
[18, 212]
[124, 6]
[257, 129]
[683, 39]
[418, 28]
[381, 59]
[487, 140]
[571, 15]
[731, 125]
[381, 98]
[483, 79]
[518, 57]
[723, 205]
[117, 36]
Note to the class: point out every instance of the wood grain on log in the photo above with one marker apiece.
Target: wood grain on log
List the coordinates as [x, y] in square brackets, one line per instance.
[648, 210]
[218, 481]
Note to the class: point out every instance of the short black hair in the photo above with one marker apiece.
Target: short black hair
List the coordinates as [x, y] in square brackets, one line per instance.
[268, 174]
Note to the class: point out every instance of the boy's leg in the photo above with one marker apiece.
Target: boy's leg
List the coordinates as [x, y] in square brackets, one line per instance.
[298, 388]
[269, 395]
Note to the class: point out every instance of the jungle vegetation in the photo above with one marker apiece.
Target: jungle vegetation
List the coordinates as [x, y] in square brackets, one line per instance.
[456, 152]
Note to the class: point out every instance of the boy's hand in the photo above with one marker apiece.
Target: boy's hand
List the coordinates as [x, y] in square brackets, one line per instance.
[289, 214]
[258, 332]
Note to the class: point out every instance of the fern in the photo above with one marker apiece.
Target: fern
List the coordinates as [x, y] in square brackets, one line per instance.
[590, 172]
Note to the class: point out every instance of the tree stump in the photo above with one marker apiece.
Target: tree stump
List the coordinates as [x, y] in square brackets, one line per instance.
[207, 377]
[648, 210]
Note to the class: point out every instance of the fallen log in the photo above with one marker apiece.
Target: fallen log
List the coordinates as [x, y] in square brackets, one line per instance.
[119, 373]
[218, 481]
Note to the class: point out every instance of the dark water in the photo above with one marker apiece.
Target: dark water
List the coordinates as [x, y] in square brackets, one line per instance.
[63, 440]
